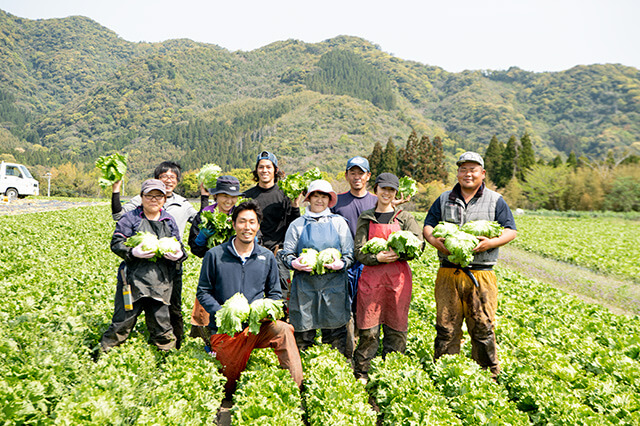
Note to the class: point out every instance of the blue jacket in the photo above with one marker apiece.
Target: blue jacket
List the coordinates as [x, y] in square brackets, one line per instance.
[223, 274]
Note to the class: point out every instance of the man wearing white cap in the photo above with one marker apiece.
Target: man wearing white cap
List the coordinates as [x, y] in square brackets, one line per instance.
[469, 293]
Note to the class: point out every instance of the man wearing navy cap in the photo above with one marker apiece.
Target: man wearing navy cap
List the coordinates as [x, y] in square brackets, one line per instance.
[350, 204]
[277, 209]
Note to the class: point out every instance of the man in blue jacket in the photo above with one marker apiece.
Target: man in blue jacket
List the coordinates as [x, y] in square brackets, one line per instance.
[242, 266]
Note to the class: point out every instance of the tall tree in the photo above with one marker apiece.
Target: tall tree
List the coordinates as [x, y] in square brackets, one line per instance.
[389, 158]
[493, 159]
[407, 157]
[424, 160]
[556, 162]
[375, 159]
[439, 167]
[508, 163]
[526, 156]
[572, 160]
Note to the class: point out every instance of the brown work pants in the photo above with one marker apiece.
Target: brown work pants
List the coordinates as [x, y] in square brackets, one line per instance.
[234, 352]
[458, 299]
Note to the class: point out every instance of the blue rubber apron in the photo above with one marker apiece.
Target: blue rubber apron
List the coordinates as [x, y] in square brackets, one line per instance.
[318, 301]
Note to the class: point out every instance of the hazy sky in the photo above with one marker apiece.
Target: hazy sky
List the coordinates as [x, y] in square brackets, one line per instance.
[535, 35]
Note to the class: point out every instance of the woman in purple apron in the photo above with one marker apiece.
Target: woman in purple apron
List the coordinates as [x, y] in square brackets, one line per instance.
[384, 288]
[319, 301]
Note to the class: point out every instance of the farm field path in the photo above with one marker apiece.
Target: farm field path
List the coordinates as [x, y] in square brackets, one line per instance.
[35, 205]
[617, 295]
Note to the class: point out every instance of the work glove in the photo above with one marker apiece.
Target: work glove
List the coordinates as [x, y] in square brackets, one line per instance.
[299, 266]
[141, 253]
[335, 266]
[174, 255]
[203, 237]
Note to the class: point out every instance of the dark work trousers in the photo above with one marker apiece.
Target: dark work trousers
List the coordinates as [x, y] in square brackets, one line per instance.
[175, 309]
[157, 318]
[285, 279]
[336, 337]
[352, 331]
[392, 341]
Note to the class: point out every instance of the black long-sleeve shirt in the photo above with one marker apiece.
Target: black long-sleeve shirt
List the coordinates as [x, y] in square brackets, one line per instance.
[277, 214]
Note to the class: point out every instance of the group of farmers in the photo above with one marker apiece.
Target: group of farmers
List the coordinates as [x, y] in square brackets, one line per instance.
[265, 258]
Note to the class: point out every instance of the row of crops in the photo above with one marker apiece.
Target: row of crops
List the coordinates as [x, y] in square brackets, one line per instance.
[605, 244]
[564, 362]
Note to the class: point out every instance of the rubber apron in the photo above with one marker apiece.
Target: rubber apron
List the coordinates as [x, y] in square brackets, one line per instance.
[318, 301]
[384, 290]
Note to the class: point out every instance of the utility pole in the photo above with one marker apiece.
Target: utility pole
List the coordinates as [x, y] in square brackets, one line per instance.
[48, 176]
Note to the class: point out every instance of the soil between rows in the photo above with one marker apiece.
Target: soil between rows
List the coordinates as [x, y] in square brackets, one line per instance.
[618, 295]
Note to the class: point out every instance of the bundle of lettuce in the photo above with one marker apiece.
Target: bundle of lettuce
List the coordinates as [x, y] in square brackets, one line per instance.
[232, 314]
[461, 245]
[461, 241]
[152, 243]
[236, 311]
[295, 184]
[482, 228]
[445, 228]
[261, 309]
[317, 260]
[326, 257]
[408, 187]
[374, 245]
[219, 223]
[208, 175]
[406, 245]
[113, 168]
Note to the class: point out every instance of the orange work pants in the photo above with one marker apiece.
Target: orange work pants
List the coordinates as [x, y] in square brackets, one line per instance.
[234, 352]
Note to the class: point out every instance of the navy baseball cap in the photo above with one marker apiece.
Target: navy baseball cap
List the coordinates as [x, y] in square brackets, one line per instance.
[266, 155]
[361, 162]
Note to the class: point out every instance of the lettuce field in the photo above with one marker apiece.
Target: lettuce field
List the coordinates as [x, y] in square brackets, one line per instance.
[564, 362]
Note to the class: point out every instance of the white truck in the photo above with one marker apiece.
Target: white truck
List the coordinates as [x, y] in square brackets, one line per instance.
[16, 181]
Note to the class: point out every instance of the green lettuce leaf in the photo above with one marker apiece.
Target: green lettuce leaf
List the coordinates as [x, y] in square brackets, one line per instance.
[113, 168]
[461, 246]
[208, 175]
[261, 309]
[407, 188]
[232, 314]
[374, 245]
[484, 228]
[445, 228]
[405, 244]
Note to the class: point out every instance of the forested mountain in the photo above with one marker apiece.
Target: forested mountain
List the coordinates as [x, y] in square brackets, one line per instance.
[71, 90]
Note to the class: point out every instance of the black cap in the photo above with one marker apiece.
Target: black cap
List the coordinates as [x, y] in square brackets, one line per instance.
[387, 180]
[229, 185]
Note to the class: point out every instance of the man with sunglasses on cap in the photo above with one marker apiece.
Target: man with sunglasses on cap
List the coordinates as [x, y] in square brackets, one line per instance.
[469, 293]
[278, 210]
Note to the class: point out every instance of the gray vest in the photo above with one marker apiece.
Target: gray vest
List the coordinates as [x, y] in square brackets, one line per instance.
[483, 208]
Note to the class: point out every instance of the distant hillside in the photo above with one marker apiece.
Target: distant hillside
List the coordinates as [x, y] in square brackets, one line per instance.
[71, 90]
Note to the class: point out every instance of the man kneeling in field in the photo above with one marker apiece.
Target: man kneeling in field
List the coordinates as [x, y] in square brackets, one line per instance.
[242, 266]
